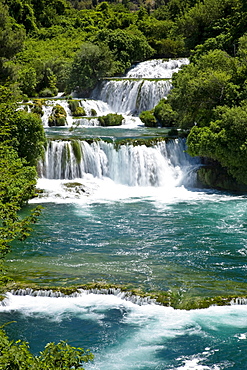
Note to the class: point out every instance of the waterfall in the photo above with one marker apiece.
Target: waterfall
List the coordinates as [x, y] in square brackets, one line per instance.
[131, 96]
[141, 89]
[157, 68]
[158, 165]
[125, 295]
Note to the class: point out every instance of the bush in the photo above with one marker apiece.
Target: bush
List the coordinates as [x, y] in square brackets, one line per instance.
[46, 93]
[147, 117]
[90, 64]
[164, 114]
[111, 119]
[58, 116]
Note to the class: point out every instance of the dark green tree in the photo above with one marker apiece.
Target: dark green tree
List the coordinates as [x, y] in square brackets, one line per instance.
[224, 140]
[90, 64]
[202, 86]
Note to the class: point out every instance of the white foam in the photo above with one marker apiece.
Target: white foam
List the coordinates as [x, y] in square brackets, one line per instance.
[154, 326]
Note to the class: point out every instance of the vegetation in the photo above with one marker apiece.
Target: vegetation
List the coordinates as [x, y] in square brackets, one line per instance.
[22, 143]
[58, 116]
[111, 119]
[76, 109]
[16, 355]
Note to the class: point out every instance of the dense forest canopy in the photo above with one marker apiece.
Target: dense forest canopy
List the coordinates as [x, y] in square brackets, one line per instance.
[58, 45]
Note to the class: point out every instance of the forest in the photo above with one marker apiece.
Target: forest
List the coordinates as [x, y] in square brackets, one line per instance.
[51, 46]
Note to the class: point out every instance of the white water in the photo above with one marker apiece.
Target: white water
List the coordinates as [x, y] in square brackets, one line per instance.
[163, 165]
[131, 96]
[157, 68]
[155, 329]
[47, 109]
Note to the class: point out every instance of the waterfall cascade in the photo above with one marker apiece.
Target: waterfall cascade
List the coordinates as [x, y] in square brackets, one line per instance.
[144, 166]
[127, 296]
[140, 89]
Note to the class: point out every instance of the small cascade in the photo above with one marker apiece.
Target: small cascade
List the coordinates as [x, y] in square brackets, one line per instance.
[87, 121]
[157, 68]
[141, 89]
[91, 106]
[47, 109]
[131, 96]
[158, 165]
[127, 295]
[238, 301]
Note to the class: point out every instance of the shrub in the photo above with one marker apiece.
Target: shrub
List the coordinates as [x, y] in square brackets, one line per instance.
[58, 116]
[111, 119]
[147, 117]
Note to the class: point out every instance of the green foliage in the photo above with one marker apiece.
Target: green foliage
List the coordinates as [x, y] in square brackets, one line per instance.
[46, 93]
[127, 46]
[202, 86]
[147, 117]
[12, 37]
[30, 136]
[16, 355]
[111, 119]
[58, 116]
[90, 64]
[28, 80]
[224, 140]
[164, 114]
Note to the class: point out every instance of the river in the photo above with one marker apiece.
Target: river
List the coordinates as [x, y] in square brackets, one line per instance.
[132, 215]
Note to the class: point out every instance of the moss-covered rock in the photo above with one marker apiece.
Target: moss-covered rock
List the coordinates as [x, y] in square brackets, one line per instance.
[58, 116]
[76, 109]
[213, 175]
[93, 112]
[148, 118]
[148, 142]
[175, 299]
[37, 106]
[111, 119]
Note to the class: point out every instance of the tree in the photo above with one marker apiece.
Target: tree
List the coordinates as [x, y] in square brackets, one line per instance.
[12, 37]
[30, 136]
[127, 46]
[90, 64]
[202, 86]
[224, 140]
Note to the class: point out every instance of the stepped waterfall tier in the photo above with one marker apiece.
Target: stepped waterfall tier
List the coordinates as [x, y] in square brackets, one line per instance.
[140, 89]
[131, 256]
[158, 165]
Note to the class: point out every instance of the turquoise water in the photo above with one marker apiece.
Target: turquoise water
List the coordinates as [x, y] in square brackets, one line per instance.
[127, 336]
[188, 240]
[196, 244]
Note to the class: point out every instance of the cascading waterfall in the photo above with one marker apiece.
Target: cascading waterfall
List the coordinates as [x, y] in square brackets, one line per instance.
[47, 109]
[125, 215]
[142, 88]
[157, 68]
[158, 165]
[132, 96]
